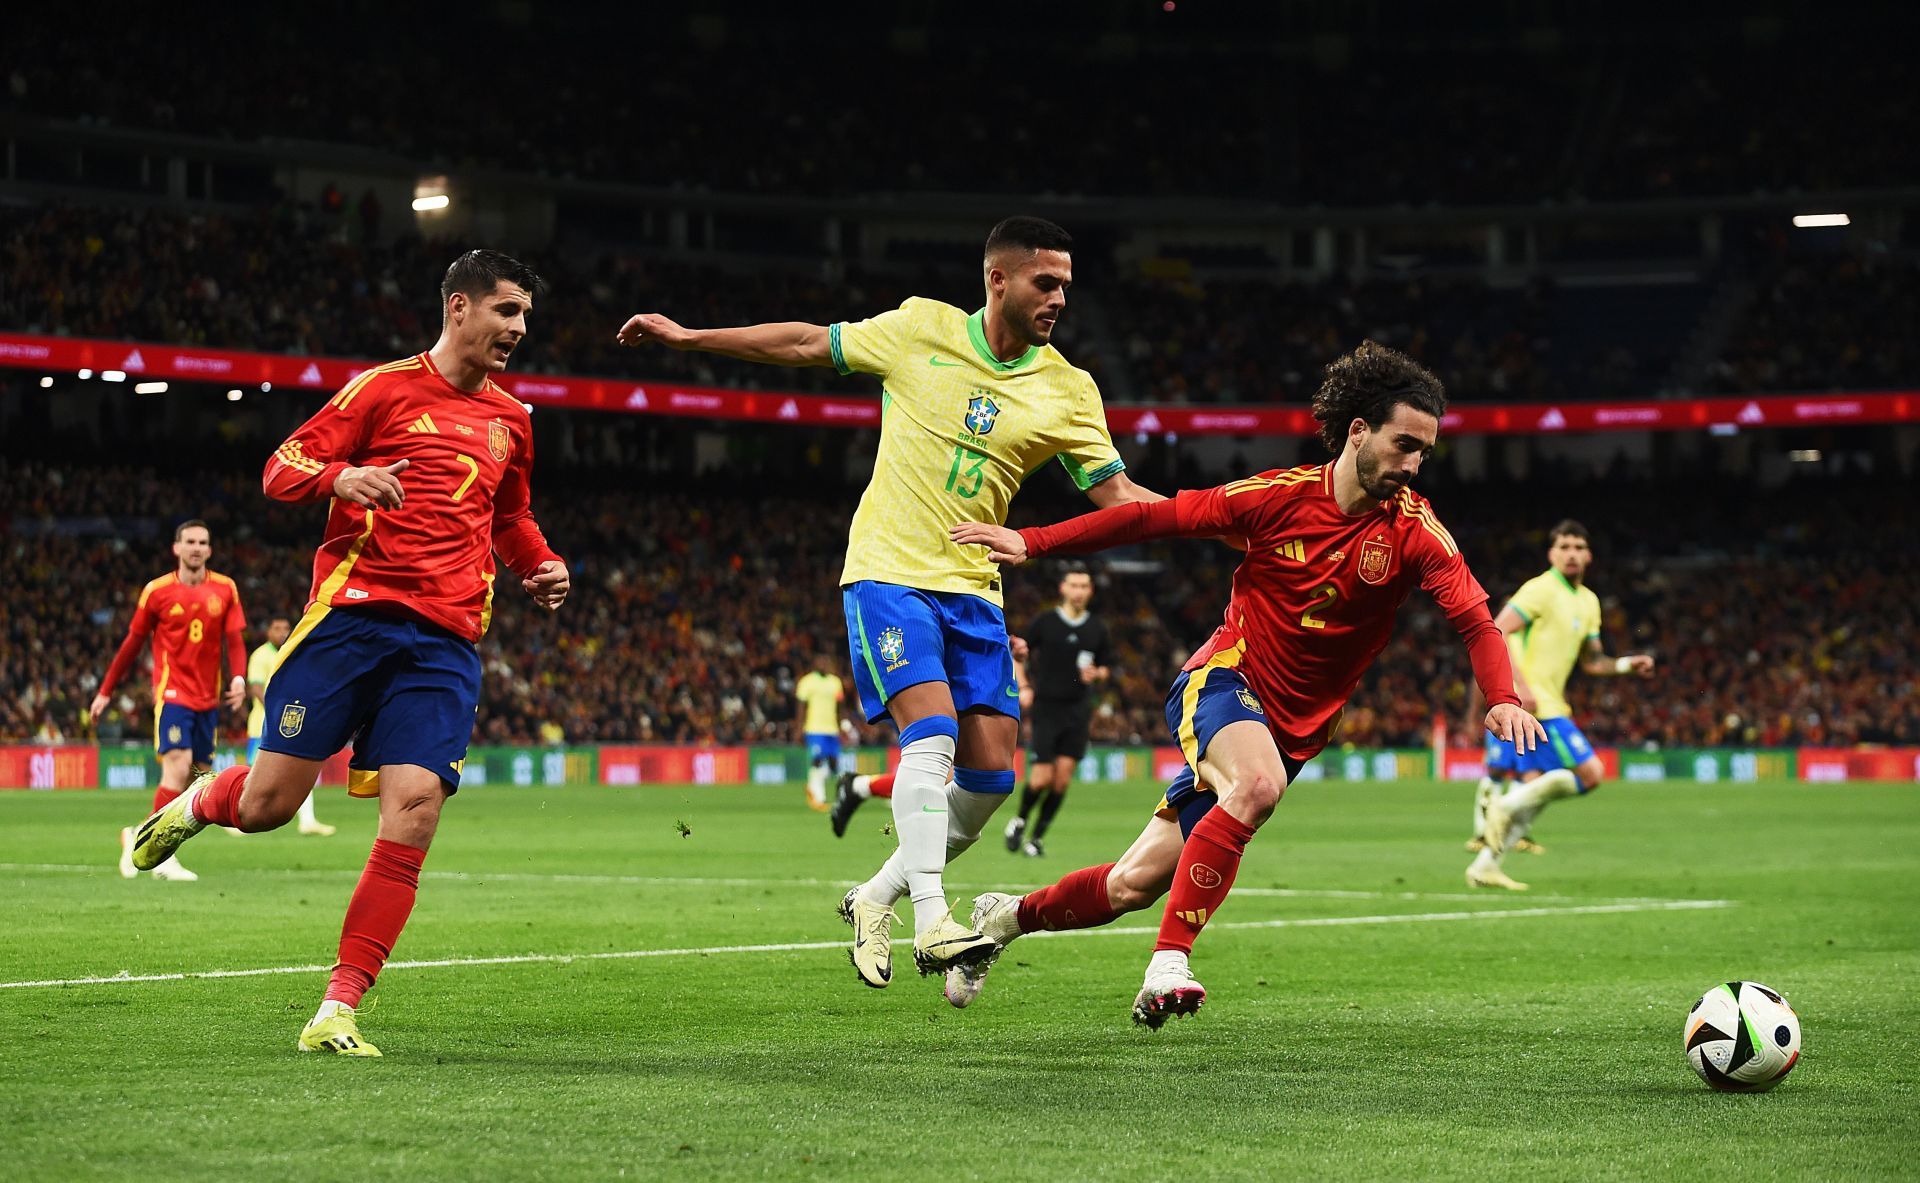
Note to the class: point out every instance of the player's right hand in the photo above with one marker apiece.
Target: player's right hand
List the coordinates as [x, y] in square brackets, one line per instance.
[1516, 726]
[1004, 546]
[96, 708]
[651, 326]
[373, 487]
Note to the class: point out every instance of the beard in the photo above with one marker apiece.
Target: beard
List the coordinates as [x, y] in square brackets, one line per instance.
[1366, 466]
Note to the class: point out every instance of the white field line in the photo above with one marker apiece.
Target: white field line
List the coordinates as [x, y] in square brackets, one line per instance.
[803, 946]
[1292, 893]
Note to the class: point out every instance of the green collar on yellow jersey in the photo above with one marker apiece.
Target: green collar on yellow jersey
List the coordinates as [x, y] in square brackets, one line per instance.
[977, 333]
[1564, 581]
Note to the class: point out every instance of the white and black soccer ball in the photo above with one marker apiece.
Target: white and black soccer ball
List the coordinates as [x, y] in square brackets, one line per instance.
[1742, 1037]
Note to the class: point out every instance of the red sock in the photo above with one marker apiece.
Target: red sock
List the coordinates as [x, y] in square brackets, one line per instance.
[1202, 878]
[219, 803]
[376, 914]
[162, 795]
[1077, 901]
[881, 786]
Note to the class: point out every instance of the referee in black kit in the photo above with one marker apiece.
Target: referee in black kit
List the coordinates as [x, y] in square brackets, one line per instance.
[1068, 651]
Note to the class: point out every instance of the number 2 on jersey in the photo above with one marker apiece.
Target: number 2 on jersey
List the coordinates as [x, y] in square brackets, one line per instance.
[957, 476]
[473, 472]
[1327, 592]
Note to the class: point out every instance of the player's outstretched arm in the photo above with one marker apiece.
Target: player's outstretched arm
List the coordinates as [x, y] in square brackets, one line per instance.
[1487, 652]
[1511, 623]
[1594, 661]
[1195, 513]
[138, 630]
[781, 343]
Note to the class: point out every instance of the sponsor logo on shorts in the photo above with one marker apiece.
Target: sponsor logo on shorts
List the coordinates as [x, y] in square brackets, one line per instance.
[1249, 701]
[893, 643]
[1204, 877]
[292, 718]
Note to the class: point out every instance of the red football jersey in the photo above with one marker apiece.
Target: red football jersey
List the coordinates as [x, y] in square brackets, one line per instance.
[466, 495]
[187, 624]
[1314, 600]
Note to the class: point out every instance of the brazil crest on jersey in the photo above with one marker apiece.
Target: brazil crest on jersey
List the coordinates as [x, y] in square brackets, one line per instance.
[959, 432]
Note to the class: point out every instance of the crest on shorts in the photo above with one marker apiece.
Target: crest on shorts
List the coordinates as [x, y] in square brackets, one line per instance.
[173, 735]
[292, 718]
[893, 643]
[981, 412]
[1249, 701]
[1375, 559]
[498, 441]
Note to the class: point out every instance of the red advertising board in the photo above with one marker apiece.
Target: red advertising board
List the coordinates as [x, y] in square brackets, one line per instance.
[34, 766]
[1839, 764]
[662, 764]
[251, 371]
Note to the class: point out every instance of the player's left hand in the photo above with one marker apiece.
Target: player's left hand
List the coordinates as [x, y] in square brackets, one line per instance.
[549, 585]
[1640, 665]
[236, 692]
[1516, 726]
[1004, 546]
[1019, 647]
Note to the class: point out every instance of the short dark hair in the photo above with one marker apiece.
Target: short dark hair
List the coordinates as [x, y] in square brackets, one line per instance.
[189, 524]
[1029, 234]
[1368, 384]
[478, 272]
[1075, 567]
[1567, 527]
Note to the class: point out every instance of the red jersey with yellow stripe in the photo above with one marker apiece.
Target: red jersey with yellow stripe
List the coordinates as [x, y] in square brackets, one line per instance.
[187, 622]
[1314, 600]
[466, 490]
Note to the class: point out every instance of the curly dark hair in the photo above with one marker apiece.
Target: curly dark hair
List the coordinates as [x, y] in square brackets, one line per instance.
[1367, 384]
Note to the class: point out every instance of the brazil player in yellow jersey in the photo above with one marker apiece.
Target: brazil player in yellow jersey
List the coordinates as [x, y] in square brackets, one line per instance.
[1552, 624]
[973, 404]
[820, 693]
[260, 666]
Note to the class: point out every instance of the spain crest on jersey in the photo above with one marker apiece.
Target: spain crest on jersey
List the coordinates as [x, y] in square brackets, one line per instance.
[1376, 559]
[498, 442]
[292, 718]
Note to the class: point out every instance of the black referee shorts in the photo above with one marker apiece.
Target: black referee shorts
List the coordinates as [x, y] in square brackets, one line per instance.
[1060, 728]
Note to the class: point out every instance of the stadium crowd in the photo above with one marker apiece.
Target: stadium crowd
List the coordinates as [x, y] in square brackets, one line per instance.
[287, 279]
[691, 618]
[1570, 113]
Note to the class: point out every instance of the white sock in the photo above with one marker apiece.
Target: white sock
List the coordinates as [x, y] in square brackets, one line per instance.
[1526, 801]
[1168, 960]
[920, 820]
[863, 787]
[306, 811]
[1481, 794]
[817, 782]
[890, 883]
[1486, 860]
[328, 1008]
[967, 816]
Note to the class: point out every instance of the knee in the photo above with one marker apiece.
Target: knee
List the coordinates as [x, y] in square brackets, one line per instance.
[1255, 797]
[1592, 774]
[412, 817]
[263, 809]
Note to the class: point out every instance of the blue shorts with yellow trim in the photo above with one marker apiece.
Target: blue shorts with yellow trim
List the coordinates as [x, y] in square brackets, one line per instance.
[822, 747]
[175, 727]
[1566, 747]
[902, 636]
[1200, 703]
[403, 691]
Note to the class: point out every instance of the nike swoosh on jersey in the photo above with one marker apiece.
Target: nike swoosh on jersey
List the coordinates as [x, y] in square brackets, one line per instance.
[935, 361]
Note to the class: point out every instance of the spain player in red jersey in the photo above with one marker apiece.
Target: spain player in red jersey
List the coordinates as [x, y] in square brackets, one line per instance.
[427, 463]
[1332, 551]
[188, 613]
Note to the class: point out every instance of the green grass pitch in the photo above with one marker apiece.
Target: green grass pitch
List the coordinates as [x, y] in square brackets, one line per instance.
[1368, 1016]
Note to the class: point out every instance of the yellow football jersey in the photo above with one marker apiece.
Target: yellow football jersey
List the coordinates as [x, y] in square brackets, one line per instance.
[822, 694]
[260, 667]
[1560, 618]
[959, 432]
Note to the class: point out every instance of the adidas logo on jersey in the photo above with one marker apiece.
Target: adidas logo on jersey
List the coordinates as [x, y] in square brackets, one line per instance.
[424, 423]
[177, 610]
[1292, 549]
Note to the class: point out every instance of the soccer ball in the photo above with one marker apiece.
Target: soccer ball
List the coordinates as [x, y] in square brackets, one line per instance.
[1742, 1037]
